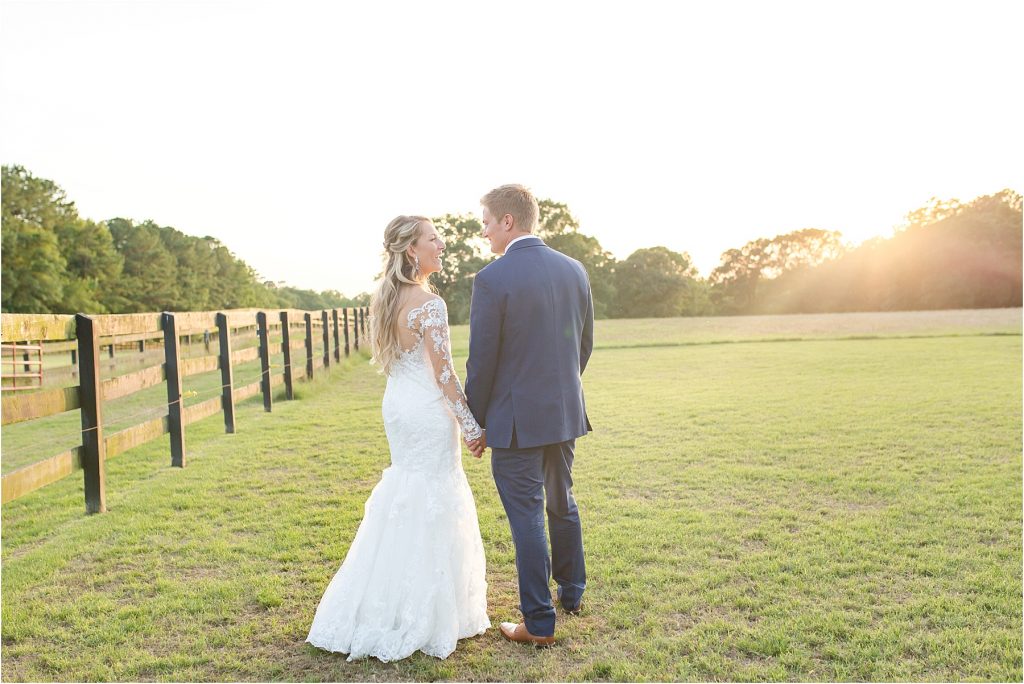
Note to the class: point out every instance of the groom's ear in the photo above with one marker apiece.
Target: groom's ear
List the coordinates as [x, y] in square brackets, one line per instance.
[507, 221]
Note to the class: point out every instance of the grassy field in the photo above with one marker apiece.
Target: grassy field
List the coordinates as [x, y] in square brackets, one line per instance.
[811, 509]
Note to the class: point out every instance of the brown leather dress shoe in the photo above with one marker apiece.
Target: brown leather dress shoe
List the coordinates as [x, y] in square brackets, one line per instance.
[520, 634]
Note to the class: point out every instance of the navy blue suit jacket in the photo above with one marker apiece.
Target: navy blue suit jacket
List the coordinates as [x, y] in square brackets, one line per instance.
[531, 331]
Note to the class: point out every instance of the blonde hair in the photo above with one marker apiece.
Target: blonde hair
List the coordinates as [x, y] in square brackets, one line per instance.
[399, 269]
[516, 200]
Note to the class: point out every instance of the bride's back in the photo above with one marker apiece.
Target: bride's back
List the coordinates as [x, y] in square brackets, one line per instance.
[410, 301]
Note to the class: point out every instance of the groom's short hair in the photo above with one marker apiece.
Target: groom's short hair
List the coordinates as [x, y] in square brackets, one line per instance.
[516, 200]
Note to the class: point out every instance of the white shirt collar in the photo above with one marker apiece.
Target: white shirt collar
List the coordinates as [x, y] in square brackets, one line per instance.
[521, 237]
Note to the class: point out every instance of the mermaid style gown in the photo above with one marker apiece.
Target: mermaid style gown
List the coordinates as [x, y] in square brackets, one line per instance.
[413, 579]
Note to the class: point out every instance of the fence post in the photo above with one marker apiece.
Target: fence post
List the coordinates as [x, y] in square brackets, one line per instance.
[111, 349]
[286, 349]
[94, 452]
[175, 409]
[327, 338]
[344, 315]
[206, 340]
[142, 346]
[309, 346]
[355, 327]
[264, 333]
[362, 319]
[227, 380]
[74, 357]
[337, 349]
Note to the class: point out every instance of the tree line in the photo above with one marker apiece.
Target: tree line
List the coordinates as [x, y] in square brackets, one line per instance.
[947, 254]
[55, 261]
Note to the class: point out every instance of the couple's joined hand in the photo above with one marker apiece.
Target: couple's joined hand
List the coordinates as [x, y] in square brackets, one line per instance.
[477, 446]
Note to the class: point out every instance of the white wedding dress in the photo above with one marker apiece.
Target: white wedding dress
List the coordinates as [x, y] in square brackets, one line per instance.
[413, 579]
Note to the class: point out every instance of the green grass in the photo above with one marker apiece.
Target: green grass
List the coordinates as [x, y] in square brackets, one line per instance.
[827, 509]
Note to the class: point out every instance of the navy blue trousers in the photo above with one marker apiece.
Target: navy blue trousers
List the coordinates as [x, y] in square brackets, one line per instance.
[530, 481]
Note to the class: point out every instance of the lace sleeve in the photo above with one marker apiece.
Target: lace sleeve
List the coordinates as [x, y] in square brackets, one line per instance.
[431, 321]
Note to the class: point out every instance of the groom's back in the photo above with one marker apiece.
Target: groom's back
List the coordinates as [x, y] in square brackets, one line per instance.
[546, 327]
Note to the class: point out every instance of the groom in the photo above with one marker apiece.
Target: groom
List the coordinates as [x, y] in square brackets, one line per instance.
[531, 328]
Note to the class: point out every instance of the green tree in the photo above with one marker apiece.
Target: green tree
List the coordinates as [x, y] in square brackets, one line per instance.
[33, 274]
[560, 230]
[54, 260]
[958, 255]
[93, 267]
[554, 218]
[947, 254]
[58, 262]
[752, 278]
[234, 285]
[465, 253]
[599, 264]
[289, 297]
[655, 282]
[735, 281]
[195, 269]
[150, 281]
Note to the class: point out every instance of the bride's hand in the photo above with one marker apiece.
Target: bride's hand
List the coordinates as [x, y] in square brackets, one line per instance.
[481, 445]
[477, 446]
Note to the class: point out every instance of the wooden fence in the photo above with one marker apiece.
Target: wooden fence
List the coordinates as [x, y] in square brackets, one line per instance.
[84, 336]
[17, 355]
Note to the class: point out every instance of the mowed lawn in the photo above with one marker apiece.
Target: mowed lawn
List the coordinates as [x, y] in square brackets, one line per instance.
[803, 509]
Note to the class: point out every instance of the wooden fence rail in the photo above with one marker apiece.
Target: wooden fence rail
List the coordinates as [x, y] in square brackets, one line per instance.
[84, 336]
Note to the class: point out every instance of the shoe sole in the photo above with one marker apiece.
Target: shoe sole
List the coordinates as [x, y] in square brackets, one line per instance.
[536, 644]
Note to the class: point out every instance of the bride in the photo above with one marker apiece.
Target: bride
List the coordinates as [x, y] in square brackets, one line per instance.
[414, 575]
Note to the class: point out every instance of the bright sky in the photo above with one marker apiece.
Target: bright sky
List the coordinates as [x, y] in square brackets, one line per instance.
[294, 131]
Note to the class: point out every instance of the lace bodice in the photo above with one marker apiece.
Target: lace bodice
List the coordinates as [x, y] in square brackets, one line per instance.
[428, 324]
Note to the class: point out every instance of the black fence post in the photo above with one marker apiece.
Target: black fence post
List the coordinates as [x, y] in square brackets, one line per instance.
[286, 349]
[264, 333]
[344, 315]
[355, 327]
[227, 380]
[175, 408]
[94, 452]
[309, 346]
[327, 338]
[337, 349]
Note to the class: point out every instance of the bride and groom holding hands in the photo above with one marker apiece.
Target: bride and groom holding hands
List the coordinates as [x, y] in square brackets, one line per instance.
[414, 577]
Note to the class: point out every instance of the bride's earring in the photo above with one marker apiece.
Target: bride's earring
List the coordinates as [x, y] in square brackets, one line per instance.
[417, 265]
